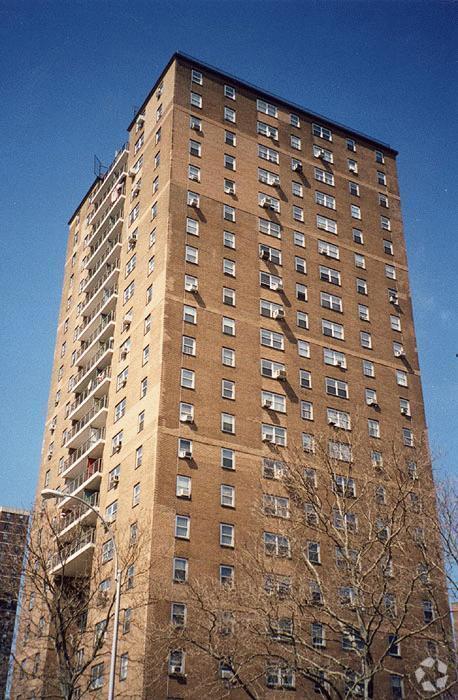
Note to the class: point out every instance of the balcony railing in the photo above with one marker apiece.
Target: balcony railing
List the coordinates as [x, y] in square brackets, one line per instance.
[109, 293]
[94, 270]
[108, 217]
[82, 397]
[90, 366]
[72, 548]
[124, 150]
[106, 239]
[80, 510]
[98, 405]
[97, 435]
[94, 291]
[95, 334]
[74, 484]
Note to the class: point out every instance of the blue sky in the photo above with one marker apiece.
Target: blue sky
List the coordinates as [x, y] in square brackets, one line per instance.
[72, 74]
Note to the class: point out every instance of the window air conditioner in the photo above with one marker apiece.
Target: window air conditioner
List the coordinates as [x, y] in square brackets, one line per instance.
[226, 674]
[404, 411]
[268, 438]
[230, 189]
[276, 286]
[267, 403]
[176, 670]
[332, 422]
[278, 313]
[132, 238]
[140, 120]
[279, 374]
[127, 320]
[124, 354]
[114, 481]
[297, 167]
[132, 172]
[265, 203]
[193, 287]
[264, 254]
[194, 202]
[399, 353]
[196, 127]
[393, 298]
[184, 454]
[186, 418]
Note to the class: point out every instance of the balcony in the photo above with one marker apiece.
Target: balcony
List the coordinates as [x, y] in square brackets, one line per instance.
[91, 449]
[103, 244]
[108, 218]
[101, 334]
[89, 372]
[79, 516]
[105, 305]
[96, 388]
[104, 264]
[88, 480]
[107, 281]
[111, 177]
[94, 418]
[74, 558]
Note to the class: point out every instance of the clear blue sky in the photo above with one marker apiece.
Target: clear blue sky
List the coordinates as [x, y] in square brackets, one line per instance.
[72, 73]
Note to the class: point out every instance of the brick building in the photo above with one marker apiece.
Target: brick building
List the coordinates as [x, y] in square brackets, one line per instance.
[235, 280]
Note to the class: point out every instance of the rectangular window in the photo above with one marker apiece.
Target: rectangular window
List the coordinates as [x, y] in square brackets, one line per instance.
[189, 314]
[332, 330]
[323, 154]
[365, 340]
[298, 213]
[326, 224]
[385, 223]
[305, 379]
[227, 458]
[395, 323]
[182, 526]
[195, 148]
[228, 213]
[331, 301]
[295, 142]
[270, 228]
[390, 272]
[324, 176]
[226, 535]
[266, 108]
[297, 189]
[136, 494]
[268, 154]
[227, 496]
[228, 357]
[267, 130]
[271, 254]
[187, 378]
[306, 410]
[226, 575]
[335, 387]
[183, 486]
[188, 345]
[228, 267]
[381, 178]
[325, 200]
[335, 358]
[273, 434]
[229, 115]
[313, 553]
[303, 348]
[363, 312]
[357, 236]
[228, 326]
[230, 162]
[227, 423]
[338, 419]
[322, 132]
[355, 211]
[273, 402]
[361, 286]
[180, 570]
[230, 138]
[191, 255]
[276, 545]
[271, 339]
[229, 239]
[329, 250]
[330, 275]
[196, 100]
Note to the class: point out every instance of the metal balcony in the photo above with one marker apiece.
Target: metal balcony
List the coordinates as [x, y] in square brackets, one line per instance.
[97, 387]
[111, 177]
[103, 244]
[94, 418]
[92, 448]
[106, 282]
[108, 218]
[79, 516]
[88, 480]
[74, 558]
[105, 305]
[89, 372]
[101, 334]
[104, 264]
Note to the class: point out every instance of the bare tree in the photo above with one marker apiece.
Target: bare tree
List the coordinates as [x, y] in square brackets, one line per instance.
[447, 526]
[342, 592]
[66, 615]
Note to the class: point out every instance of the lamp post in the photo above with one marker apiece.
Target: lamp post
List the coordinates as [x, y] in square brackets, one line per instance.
[47, 494]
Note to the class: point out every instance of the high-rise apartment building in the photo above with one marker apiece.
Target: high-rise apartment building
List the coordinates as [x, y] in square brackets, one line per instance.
[13, 533]
[235, 283]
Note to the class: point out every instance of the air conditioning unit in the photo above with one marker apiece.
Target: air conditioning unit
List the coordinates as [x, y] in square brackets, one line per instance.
[320, 153]
[399, 353]
[176, 670]
[374, 404]
[273, 180]
[140, 120]
[267, 403]
[184, 454]
[132, 238]
[324, 252]
[193, 287]
[114, 481]
[127, 320]
[230, 189]
[404, 411]
[196, 127]
[340, 363]
[393, 299]
[332, 422]
[278, 313]
[267, 438]
[297, 167]
[123, 383]
[276, 286]
[280, 374]
[136, 190]
[264, 202]
[186, 418]
[264, 254]
[194, 176]
[124, 354]
[194, 202]
[118, 447]
[132, 172]
[226, 674]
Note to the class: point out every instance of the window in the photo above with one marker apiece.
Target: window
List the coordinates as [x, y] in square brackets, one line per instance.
[397, 687]
[147, 324]
[325, 200]
[229, 186]
[276, 545]
[136, 494]
[395, 323]
[195, 123]
[227, 423]
[355, 211]
[332, 330]
[116, 442]
[149, 294]
[360, 261]
[189, 314]
[138, 457]
[298, 213]
[180, 570]
[318, 639]
[227, 458]
[353, 188]
[229, 115]
[228, 213]
[271, 339]
[280, 677]
[324, 176]
[361, 286]
[390, 272]
[333, 357]
[228, 239]
[365, 340]
[271, 254]
[191, 255]
[306, 410]
[338, 419]
[182, 526]
[145, 355]
[187, 380]
[196, 100]
[373, 427]
[308, 442]
[230, 138]
[120, 409]
[303, 348]
[323, 154]
[335, 387]
[195, 148]
[273, 434]
[357, 236]
[385, 223]
[313, 553]
[327, 274]
[302, 319]
[297, 189]
[401, 377]
[96, 679]
[228, 357]
[226, 535]
[123, 666]
[183, 486]
[404, 406]
[268, 154]
[196, 77]
[381, 178]
[407, 437]
[228, 267]
[229, 162]
[143, 387]
[228, 296]
[274, 402]
[305, 379]
[267, 130]
[330, 301]
[388, 249]
[229, 92]
[194, 173]
[294, 120]
[379, 157]
[226, 575]
[383, 200]
[301, 289]
[295, 142]
[272, 469]
[326, 224]
[178, 614]
[321, 132]
[272, 369]
[266, 108]
[228, 326]
[188, 345]
[363, 312]
[299, 239]
[227, 496]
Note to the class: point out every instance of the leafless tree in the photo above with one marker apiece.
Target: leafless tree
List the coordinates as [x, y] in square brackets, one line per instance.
[341, 592]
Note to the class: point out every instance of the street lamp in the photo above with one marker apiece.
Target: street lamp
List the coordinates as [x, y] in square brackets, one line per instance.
[46, 494]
